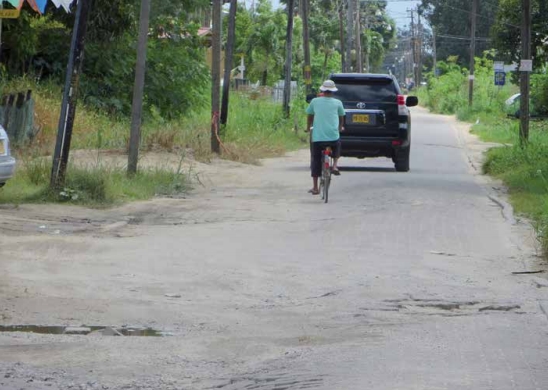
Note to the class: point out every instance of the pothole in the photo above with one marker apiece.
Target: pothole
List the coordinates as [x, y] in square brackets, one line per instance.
[283, 382]
[85, 330]
[448, 308]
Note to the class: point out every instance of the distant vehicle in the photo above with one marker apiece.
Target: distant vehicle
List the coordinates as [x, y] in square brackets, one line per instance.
[378, 121]
[512, 106]
[7, 162]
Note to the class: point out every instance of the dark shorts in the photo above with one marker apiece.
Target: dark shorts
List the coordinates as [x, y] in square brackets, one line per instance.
[316, 156]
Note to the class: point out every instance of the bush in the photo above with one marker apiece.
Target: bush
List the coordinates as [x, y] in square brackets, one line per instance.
[107, 83]
[448, 93]
[539, 93]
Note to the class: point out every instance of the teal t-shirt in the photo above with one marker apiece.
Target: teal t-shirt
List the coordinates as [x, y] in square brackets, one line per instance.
[326, 111]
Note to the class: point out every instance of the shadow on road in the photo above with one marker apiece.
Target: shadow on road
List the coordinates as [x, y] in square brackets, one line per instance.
[302, 168]
[366, 169]
[298, 168]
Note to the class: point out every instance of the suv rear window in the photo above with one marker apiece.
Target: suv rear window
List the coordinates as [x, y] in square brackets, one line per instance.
[371, 90]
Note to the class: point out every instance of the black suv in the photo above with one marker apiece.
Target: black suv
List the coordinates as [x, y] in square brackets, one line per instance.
[378, 122]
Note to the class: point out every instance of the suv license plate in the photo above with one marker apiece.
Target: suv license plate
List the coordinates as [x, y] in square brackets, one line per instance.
[360, 118]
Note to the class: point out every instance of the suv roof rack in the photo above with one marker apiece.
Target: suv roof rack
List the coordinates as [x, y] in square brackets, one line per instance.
[356, 76]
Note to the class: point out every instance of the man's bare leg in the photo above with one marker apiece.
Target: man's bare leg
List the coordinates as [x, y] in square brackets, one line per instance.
[315, 188]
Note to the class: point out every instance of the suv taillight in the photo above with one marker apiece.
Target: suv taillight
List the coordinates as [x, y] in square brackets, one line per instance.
[402, 108]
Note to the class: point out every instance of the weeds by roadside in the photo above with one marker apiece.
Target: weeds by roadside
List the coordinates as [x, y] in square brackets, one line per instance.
[256, 129]
[95, 186]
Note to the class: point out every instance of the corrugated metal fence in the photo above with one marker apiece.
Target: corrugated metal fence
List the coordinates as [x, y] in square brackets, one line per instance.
[17, 115]
[278, 91]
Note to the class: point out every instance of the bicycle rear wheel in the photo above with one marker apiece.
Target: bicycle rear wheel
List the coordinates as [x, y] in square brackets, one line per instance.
[321, 185]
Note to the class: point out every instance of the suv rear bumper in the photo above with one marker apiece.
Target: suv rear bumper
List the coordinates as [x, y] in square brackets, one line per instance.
[371, 146]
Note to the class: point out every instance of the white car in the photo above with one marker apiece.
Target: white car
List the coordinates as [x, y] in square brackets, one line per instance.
[7, 162]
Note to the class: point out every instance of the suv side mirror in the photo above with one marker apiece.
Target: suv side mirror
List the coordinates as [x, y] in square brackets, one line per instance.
[309, 97]
[411, 101]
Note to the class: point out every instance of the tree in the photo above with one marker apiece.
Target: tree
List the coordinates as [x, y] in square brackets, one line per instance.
[451, 20]
[378, 33]
[39, 45]
[507, 33]
[264, 46]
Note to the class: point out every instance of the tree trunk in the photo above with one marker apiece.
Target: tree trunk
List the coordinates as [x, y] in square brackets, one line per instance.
[306, 48]
[341, 39]
[326, 57]
[265, 77]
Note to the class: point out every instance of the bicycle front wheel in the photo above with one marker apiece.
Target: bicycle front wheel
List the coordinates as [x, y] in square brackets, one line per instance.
[326, 181]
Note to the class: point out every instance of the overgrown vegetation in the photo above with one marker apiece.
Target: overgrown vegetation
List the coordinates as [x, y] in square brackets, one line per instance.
[176, 115]
[524, 169]
[256, 129]
[95, 185]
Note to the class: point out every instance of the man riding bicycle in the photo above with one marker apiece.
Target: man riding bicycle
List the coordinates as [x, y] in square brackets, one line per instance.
[326, 116]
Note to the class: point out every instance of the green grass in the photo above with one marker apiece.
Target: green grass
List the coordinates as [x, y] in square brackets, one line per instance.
[256, 129]
[95, 186]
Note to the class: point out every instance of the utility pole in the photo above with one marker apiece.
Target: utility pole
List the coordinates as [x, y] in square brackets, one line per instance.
[419, 48]
[368, 46]
[288, 57]
[525, 67]
[341, 36]
[359, 54]
[307, 75]
[349, 33]
[472, 52]
[1, 7]
[215, 74]
[229, 60]
[434, 52]
[414, 47]
[70, 94]
[138, 87]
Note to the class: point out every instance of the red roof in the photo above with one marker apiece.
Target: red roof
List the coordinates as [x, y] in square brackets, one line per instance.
[203, 31]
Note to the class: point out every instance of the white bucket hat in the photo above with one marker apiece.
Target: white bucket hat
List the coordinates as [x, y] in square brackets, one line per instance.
[328, 85]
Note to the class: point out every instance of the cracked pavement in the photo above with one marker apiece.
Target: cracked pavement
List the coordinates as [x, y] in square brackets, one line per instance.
[412, 281]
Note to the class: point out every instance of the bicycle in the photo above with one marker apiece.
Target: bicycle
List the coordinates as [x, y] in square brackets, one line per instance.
[327, 168]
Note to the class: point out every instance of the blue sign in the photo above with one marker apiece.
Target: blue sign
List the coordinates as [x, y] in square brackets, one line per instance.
[500, 78]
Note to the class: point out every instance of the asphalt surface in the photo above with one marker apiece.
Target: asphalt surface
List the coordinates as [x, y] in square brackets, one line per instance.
[402, 281]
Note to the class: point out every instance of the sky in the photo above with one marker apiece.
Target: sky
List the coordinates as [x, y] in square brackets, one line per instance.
[397, 9]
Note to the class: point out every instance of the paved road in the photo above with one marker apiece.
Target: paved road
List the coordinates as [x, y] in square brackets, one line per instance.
[403, 281]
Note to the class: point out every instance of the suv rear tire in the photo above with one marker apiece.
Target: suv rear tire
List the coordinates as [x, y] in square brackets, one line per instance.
[402, 160]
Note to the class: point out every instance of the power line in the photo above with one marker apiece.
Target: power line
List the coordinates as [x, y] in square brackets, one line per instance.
[479, 15]
[463, 38]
